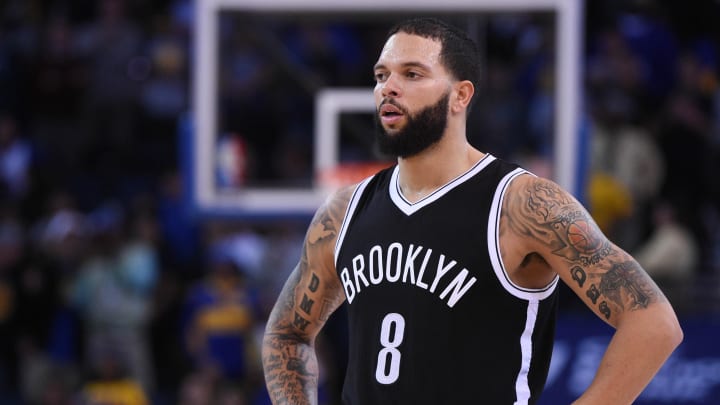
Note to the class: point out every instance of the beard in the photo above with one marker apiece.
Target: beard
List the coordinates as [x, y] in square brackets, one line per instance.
[422, 129]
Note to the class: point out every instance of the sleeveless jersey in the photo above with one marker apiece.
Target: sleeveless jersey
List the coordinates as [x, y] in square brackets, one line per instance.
[433, 316]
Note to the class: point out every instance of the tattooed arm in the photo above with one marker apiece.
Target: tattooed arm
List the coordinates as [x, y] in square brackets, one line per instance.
[544, 231]
[310, 295]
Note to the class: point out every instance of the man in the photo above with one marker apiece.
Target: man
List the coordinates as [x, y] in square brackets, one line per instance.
[449, 261]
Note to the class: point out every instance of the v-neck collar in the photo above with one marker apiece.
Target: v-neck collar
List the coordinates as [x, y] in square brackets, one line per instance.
[410, 208]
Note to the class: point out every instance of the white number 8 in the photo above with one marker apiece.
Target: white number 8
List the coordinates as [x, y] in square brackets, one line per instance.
[390, 343]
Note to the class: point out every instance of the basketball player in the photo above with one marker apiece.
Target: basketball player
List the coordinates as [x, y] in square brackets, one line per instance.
[449, 261]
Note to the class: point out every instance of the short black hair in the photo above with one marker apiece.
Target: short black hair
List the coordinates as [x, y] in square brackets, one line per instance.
[459, 53]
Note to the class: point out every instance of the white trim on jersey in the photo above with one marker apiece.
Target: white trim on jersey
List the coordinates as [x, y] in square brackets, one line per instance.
[349, 211]
[532, 295]
[493, 238]
[410, 208]
[522, 388]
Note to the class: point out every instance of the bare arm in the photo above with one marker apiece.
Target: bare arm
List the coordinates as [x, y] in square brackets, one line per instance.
[310, 295]
[542, 219]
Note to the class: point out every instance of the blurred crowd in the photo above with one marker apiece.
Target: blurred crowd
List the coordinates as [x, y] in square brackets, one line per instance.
[112, 291]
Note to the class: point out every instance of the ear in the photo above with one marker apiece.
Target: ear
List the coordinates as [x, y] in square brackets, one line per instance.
[464, 91]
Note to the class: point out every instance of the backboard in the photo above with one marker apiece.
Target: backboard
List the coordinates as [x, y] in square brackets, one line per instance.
[271, 134]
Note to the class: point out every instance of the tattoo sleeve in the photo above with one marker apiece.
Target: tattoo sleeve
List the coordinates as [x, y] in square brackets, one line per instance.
[605, 276]
[310, 295]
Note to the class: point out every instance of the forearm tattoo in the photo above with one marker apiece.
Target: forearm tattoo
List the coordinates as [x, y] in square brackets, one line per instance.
[611, 279]
[309, 296]
[291, 371]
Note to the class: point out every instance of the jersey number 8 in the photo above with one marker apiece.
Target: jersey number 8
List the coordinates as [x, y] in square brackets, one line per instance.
[391, 336]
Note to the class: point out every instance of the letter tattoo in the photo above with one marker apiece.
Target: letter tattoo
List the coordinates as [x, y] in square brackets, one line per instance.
[605, 309]
[593, 293]
[314, 283]
[300, 322]
[578, 274]
[306, 304]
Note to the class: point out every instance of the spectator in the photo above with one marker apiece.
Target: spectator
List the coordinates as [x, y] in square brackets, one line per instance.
[113, 293]
[630, 156]
[111, 384]
[221, 312]
[48, 330]
[671, 253]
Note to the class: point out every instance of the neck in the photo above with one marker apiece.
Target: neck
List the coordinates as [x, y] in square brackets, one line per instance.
[424, 173]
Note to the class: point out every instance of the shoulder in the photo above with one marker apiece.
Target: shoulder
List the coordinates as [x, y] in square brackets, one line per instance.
[533, 193]
[534, 208]
[332, 211]
[340, 199]
[326, 223]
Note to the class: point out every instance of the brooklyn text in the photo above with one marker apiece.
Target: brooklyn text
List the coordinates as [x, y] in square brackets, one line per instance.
[413, 265]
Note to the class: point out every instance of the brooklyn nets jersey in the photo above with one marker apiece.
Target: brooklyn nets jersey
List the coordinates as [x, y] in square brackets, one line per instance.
[433, 315]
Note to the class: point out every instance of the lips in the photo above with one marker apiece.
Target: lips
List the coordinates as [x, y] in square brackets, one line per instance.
[389, 109]
[390, 114]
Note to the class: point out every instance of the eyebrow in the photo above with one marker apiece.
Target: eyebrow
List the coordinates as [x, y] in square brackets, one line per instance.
[404, 65]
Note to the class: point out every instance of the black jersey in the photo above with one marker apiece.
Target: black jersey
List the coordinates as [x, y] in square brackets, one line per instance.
[433, 316]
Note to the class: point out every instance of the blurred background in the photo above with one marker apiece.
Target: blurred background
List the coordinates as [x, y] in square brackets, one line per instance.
[114, 289]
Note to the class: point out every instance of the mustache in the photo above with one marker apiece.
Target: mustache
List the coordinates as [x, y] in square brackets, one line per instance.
[394, 103]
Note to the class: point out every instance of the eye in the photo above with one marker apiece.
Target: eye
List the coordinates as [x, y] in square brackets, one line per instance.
[412, 74]
[380, 76]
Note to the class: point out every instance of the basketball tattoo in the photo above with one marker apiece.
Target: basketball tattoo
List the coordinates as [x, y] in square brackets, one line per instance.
[291, 368]
[611, 279]
[580, 235]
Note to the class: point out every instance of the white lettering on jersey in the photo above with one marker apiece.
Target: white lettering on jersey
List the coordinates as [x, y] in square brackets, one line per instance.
[410, 263]
[358, 268]
[423, 266]
[398, 262]
[376, 265]
[386, 265]
[347, 285]
[457, 287]
[441, 270]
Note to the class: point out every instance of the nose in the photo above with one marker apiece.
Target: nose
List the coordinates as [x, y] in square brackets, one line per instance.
[390, 88]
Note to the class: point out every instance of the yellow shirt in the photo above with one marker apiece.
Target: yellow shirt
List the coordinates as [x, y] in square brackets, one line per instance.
[115, 392]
